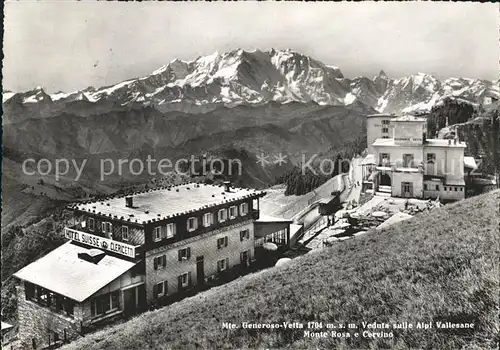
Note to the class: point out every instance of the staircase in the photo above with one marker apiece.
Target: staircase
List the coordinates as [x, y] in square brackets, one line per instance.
[384, 191]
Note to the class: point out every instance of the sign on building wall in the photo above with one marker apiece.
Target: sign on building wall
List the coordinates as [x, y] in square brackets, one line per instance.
[100, 242]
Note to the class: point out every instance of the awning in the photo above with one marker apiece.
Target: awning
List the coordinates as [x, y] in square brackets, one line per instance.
[470, 162]
[455, 182]
[267, 218]
[63, 272]
[369, 160]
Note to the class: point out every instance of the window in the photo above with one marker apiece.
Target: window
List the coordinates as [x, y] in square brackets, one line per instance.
[278, 237]
[104, 304]
[222, 215]
[407, 160]
[425, 187]
[431, 158]
[160, 289]
[455, 189]
[159, 261]
[437, 187]
[222, 265]
[207, 219]
[385, 130]
[184, 254]
[125, 233]
[233, 212]
[157, 234]
[245, 257]
[461, 189]
[445, 188]
[184, 280]
[222, 242]
[192, 224]
[91, 224]
[243, 209]
[384, 158]
[170, 230]
[385, 122]
[107, 227]
[45, 297]
[245, 234]
[385, 137]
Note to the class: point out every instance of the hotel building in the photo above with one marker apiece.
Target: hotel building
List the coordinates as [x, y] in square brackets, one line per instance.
[127, 254]
[404, 163]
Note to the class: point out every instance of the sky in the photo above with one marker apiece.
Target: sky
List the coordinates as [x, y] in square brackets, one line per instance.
[72, 45]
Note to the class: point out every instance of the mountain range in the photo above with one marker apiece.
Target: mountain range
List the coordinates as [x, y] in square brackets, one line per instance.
[249, 78]
[238, 104]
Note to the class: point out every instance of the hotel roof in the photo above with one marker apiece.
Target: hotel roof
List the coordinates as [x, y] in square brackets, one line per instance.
[269, 219]
[445, 143]
[63, 272]
[167, 202]
[408, 118]
[428, 143]
[381, 115]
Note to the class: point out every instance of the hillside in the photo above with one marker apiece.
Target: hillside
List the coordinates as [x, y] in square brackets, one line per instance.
[437, 266]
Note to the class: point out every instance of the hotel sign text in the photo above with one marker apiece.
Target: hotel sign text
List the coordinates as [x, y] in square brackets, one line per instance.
[100, 242]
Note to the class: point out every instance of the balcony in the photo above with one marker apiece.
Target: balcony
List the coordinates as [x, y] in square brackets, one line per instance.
[400, 166]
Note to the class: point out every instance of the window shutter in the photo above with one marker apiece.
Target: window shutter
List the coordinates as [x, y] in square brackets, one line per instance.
[155, 291]
[155, 263]
[218, 243]
[188, 253]
[179, 283]
[110, 228]
[225, 241]
[165, 287]
[189, 278]
[103, 226]
[241, 235]
[180, 255]
[164, 260]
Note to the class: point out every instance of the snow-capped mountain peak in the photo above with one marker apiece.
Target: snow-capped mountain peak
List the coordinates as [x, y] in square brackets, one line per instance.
[256, 77]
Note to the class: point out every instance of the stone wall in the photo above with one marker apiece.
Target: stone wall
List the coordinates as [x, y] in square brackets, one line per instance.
[40, 323]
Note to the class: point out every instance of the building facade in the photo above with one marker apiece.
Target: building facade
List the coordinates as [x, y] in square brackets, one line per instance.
[378, 126]
[129, 253]
[407, 164]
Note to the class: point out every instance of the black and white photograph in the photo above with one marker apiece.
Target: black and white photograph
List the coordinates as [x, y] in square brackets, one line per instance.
[250, 175]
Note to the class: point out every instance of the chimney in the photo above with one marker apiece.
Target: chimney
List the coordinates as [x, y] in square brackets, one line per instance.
[129, 202]
[227, 186]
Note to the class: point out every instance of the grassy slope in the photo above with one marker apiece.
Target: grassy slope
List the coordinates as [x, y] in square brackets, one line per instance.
[439, 265]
